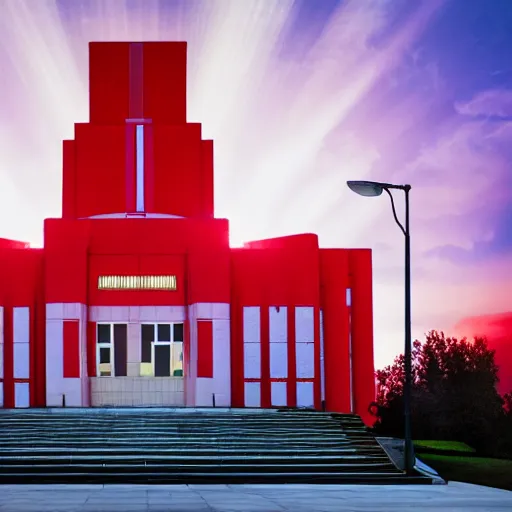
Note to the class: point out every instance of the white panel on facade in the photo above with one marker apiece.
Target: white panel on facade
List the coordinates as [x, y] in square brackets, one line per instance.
[120, 314]
[221, 311]
[54, 311]
[1, 361]
[204, 392]
[252, 394]
[305, 360]
[21, 394]
[72, 389]
[304, 324]
[305, 396]
[21, 360]
[1, 324]
[278, 360]
[21, 325]
[252, 324]
[147, 313]
[222, 362]
[133, 343]
[100, 313]
[322, 356]
[170, 313]
[54, 355]
[252, 360]
[278, 394]
[1, 394]
[349, 297]
[72, 311]
[278, 324]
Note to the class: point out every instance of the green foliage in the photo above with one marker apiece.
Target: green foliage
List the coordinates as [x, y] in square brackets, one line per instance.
[454, 396]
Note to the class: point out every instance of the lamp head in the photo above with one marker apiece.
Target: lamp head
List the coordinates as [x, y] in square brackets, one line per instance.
[366, 188]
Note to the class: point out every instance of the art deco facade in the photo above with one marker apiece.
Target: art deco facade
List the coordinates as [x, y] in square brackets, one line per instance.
[137, 298]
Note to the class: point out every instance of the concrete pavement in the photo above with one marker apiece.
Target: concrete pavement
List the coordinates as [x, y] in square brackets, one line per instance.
[453, 497]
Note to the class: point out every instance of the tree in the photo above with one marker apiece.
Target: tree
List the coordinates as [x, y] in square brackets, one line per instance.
[454, 395]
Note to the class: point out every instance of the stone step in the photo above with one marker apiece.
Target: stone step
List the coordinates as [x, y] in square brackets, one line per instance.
[176, 446]
[145, 467]
[381, 478]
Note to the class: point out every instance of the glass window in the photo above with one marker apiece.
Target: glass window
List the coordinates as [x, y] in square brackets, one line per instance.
[147, 336]
[112, 350]
[148, 332]
[162, 350]
[104, 333]
[177, 332]
[104, 355]
[162, 360]
[164, 332]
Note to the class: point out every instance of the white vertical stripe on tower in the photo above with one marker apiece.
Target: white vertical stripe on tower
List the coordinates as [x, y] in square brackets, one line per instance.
[252, 342]
[139, 152]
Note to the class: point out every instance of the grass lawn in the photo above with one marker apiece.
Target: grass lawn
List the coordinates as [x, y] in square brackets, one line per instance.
[455, 446]
[474, 470]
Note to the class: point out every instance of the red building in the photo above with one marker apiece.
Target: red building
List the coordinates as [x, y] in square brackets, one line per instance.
[137, 298]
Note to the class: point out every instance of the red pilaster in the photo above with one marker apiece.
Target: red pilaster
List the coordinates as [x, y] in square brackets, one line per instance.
[362, 332]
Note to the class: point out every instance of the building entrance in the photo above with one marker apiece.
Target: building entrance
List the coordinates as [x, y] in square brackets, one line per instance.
[139, 364]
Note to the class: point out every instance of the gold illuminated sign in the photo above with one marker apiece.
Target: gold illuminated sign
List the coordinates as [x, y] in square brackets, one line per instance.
[137, 283]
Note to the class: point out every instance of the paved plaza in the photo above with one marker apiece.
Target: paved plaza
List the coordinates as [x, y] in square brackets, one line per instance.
[454, 497]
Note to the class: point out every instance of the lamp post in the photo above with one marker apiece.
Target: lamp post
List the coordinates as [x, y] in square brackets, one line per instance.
[373, 189]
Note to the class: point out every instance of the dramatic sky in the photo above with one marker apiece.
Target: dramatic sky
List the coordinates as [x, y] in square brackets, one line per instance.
[301, 96]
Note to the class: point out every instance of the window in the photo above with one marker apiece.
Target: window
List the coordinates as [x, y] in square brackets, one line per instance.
[162, 350]
[111, 355]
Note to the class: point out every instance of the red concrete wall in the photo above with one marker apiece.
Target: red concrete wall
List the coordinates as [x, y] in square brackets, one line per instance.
[79, 251]
[334, 281]
[133, 83]
[360, 264]
[293, 271]
[278, 272]
[21, 285]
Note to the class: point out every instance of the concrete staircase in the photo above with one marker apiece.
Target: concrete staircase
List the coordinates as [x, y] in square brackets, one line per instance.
[169, 446]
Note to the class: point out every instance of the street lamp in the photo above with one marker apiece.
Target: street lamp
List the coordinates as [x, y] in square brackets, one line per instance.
[373, 189]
